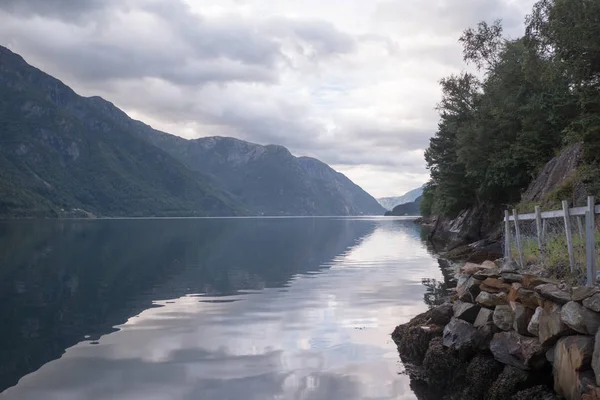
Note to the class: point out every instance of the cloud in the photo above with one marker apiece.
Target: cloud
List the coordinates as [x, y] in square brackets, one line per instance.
[352, 83]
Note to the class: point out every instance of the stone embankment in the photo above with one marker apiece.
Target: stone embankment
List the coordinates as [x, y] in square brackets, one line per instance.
[505, 334]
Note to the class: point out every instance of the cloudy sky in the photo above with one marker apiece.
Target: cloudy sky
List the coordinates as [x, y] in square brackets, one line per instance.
[351, 82]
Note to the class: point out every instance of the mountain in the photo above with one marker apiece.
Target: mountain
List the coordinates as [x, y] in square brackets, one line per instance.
[412, 209]
[269, 179]
[62, 154]
[390, 202]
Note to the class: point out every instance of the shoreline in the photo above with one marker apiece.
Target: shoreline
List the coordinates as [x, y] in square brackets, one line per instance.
[505, 333]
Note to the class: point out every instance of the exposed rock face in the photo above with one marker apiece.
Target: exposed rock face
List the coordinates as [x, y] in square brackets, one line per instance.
[551, 326]
[552, 292]
[571, 355]
[534, 324]
[466, 311]
[555, 172]
[491, 299]
[519, 351]
[579, 318]
[504, 317]
[593, 302]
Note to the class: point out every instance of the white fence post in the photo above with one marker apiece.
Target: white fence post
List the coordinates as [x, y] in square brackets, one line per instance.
[590, 248]
[538, 225]
[565, 206]
[507, 240]
[518, 236]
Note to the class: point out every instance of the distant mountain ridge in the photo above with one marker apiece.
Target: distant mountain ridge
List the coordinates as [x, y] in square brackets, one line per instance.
[390, 202]
[269, 180]
[62, 154]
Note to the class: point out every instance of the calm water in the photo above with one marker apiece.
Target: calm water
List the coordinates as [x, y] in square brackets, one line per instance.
[295, 308]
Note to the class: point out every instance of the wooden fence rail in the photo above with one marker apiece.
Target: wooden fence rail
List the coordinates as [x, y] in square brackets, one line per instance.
[566, 213]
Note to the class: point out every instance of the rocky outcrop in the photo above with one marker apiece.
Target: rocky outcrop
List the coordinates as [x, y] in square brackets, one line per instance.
[539, 334]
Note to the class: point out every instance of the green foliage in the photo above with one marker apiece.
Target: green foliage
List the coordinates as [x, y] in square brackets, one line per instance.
[538, 93]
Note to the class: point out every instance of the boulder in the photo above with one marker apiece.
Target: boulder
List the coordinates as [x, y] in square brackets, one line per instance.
[494, 285]
[550, 354]
[509, 266]
[441, 314]
[487, 299]
[579, 318]
[465, 311]
[460, 336]
[552, 292]
[533, 281]
[593, 302]
[522, 318]
[413, 337]
[596, 358]
[517, 350]
[529, 298]
[534, 324]
[504, 317]
[571, 355]
[489, 264]
[539, 392]
[468, 289]
[471, 268]
[551, 326]
[485, 315]
[581, 293]
[487, 273]
[510, 277]
[509, 382]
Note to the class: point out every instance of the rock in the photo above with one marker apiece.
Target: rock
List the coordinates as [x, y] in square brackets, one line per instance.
[487, 273]
[522, 318]
[529, 298]
[441, 314]
[551, 327]
[413, 337]
[539, 392]
[460, 336]
[491, 299]
[596, 358]
[466, 311]
[468, 289]
[510, 277]
[517, 350]
[550, 354]
[593, 302]
[552, 292]
[485, 334]
[532, 281]
[593, 393]
[571, 355]
[494, 285]
[504, 317]
[481, 373]
[471, 268]
[579, 318]
[581, 293]
[509, 266]
[534, 324]
[441, 366]
[510, 381]
[485, 315]
[489, 264]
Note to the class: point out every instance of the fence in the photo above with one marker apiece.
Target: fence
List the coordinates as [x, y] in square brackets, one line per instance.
[556, 239]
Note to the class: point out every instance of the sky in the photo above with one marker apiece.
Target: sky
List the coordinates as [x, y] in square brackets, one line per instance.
[353, 83]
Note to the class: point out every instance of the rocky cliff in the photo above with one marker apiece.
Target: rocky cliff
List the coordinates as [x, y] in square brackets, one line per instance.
[505, 334]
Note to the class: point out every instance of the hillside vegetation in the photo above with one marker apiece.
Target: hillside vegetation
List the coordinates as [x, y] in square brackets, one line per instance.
[532, 96]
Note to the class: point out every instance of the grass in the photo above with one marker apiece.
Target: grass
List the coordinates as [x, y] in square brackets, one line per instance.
[555, 256]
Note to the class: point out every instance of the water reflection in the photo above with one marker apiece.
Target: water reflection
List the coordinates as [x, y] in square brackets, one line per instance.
[211, 309]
